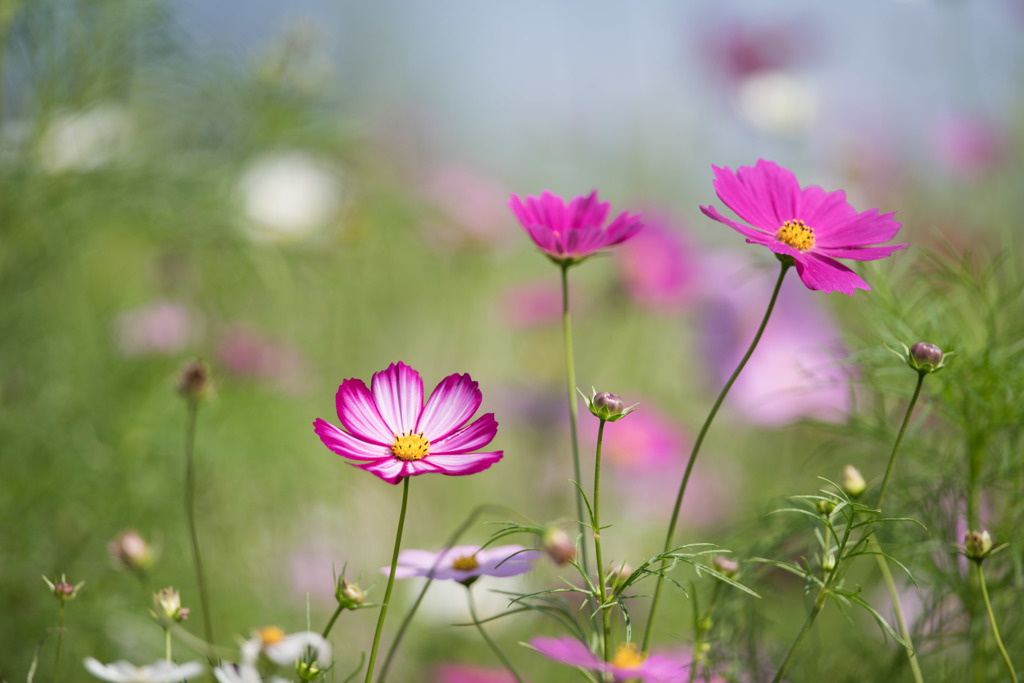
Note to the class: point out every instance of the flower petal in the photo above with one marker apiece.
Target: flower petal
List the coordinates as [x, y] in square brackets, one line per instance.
[459, 464]
[391, 470]
[587, 212]
[567, 650]
[827, 275]
[859, 253]
[863, 229]
[398, 393]
[754, 234]
[474, 436]
[358, 413]
[759, 194]
[450, 405]
[348, 446]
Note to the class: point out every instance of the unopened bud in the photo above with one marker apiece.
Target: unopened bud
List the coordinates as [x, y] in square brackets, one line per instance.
[168, 605]
[62, 589]
[348, 595]
[130, 550]
[825, 507]
[194, 381]
[725, 566]
[977, 545]
[607, 406]
[828, 563]
[307, 671]
[925, 357]
[558, 545]
[852, 482]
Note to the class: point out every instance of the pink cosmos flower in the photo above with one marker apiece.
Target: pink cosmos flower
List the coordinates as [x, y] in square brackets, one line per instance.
[464, 673]
[810, 225]
[658, 266]
[627, 665]
[159, 328]
[463, 562]
[391, 433]
[569, 234]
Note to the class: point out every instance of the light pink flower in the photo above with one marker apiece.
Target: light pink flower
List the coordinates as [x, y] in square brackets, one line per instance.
[736, 49]
[465, 673]
[657, 266]
[534, 304]
[569, 233]
[463, 562]
[627, 665]
[469, 203]
[391, 433]
[159, 328]
[968, 146]
[809, 225]
[248, 354]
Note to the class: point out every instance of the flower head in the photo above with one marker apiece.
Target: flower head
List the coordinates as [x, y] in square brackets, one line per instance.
[130, 550]
[808, 225]
[126, 672]
[282, 649]
[168, 605]
[465, 562]
[627, 665]
[570, 233]
[391, 433]
[62, 589]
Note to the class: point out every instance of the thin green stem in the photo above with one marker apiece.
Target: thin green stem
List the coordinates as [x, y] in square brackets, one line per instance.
[595, 524]
[899, 440]
[167, 643]
[570, 373]
[819, 603]
[190, 514]
[494, 646]
[995, 628]
[897, 607]
[330, 624]
[60, 640]
[696, 449]
[391, 583]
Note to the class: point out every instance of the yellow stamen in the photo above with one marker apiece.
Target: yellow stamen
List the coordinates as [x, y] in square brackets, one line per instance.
[270, 635]
[465, 563]
[796, 234]
[410, 446]
[628, 656]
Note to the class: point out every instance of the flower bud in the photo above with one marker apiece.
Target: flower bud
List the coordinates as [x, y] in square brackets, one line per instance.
[852, 482]
[828, 563]
[977, 545]
[62, 590]
[128, 549]
[925, 357]
[825, 507]
[348, 595]
[725, 566]
[307, 671]
[194, 381]
[168, 605]
[617, 573]
[558, 545]
[607, 406]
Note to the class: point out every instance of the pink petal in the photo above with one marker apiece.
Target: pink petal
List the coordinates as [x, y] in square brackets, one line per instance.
[346, 445]
[550, 210]
[567, 650]
[458, 464]
[759, 194]
[755, 234]
[827, 275]
[358, 413]
[391, 470]
[864, 229]
[859, 253]
[622, 228]
[821, 210]
[398, 393]
[587, 212]
[450, 405]
[474, 436]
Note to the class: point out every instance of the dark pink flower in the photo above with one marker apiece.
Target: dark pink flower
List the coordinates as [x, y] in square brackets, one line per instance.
[465, 673]
[392, 434]
[463, 562]
[570, 233]
[627, 665]
[810, 225]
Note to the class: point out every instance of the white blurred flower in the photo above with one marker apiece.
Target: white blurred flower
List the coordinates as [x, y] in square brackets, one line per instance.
[289, 196]
[230, 673]
[85, 140]
[777, 102]
[285, 650]
[126, 672]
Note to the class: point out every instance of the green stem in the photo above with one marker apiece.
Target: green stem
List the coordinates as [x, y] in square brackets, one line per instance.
[696, 449]
[60, 640]
[391, 582]
[995, 628]
[330, 624]
[570, 372]
[595, 524]
[837, 573]
[190, 513]
[494, 646]
[167, 643]
[897, 607]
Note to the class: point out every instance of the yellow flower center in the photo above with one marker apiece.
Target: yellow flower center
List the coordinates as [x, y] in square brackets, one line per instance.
[270, 634]
[465, 563]
[628, 656]
[411, 446]
[796, 234]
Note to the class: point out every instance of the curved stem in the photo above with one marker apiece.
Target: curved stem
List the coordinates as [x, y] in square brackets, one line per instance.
[391, 582]
[899, 440]
[995, 628]
[190, 514]
[494, 646]
[595, 524]
[897, 607]
[570, 372]
[330, 624]
[696, 449]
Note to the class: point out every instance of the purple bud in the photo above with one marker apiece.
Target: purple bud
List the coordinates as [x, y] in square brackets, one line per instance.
[559, 547]
[726, 566]
[926, 356]
[194, 382]
[609, 401]
[63, 589]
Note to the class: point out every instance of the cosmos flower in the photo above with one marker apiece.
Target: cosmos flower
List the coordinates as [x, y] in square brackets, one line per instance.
[810, 225]
[126, 672]
[285, 649]
[391, 433]
[159, 328]
[658, 266]
[465, 673]
[570, 233]
[463, 562]
[627, 664]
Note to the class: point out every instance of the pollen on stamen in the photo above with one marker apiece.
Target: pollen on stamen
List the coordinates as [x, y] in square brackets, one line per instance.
[465, 563]
[410, 446]
[796, 234]
[628, 656]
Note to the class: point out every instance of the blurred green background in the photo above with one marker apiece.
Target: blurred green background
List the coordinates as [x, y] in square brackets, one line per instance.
[164, 199]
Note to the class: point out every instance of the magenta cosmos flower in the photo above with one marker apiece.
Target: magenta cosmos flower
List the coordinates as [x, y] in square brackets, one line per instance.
[463, 562]
[627, 664]
[810, 225]
[393, 435]
[569, 234]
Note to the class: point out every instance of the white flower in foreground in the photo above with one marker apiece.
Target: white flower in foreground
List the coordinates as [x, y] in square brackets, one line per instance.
[289, 196]
[126, 672]
[230, 673]
[285, 650]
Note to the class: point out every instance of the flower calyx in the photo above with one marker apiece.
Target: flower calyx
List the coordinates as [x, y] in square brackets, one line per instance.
[606, 406]
[62, 590]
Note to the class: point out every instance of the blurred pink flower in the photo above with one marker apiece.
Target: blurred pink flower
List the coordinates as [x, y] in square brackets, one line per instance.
[465, 673]
[627, 665]
[969, 146]
[734, 50]
[534, 304]
[248, 354]
[159, 328]
[657, 265]
[470, 205]
[465, 562]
